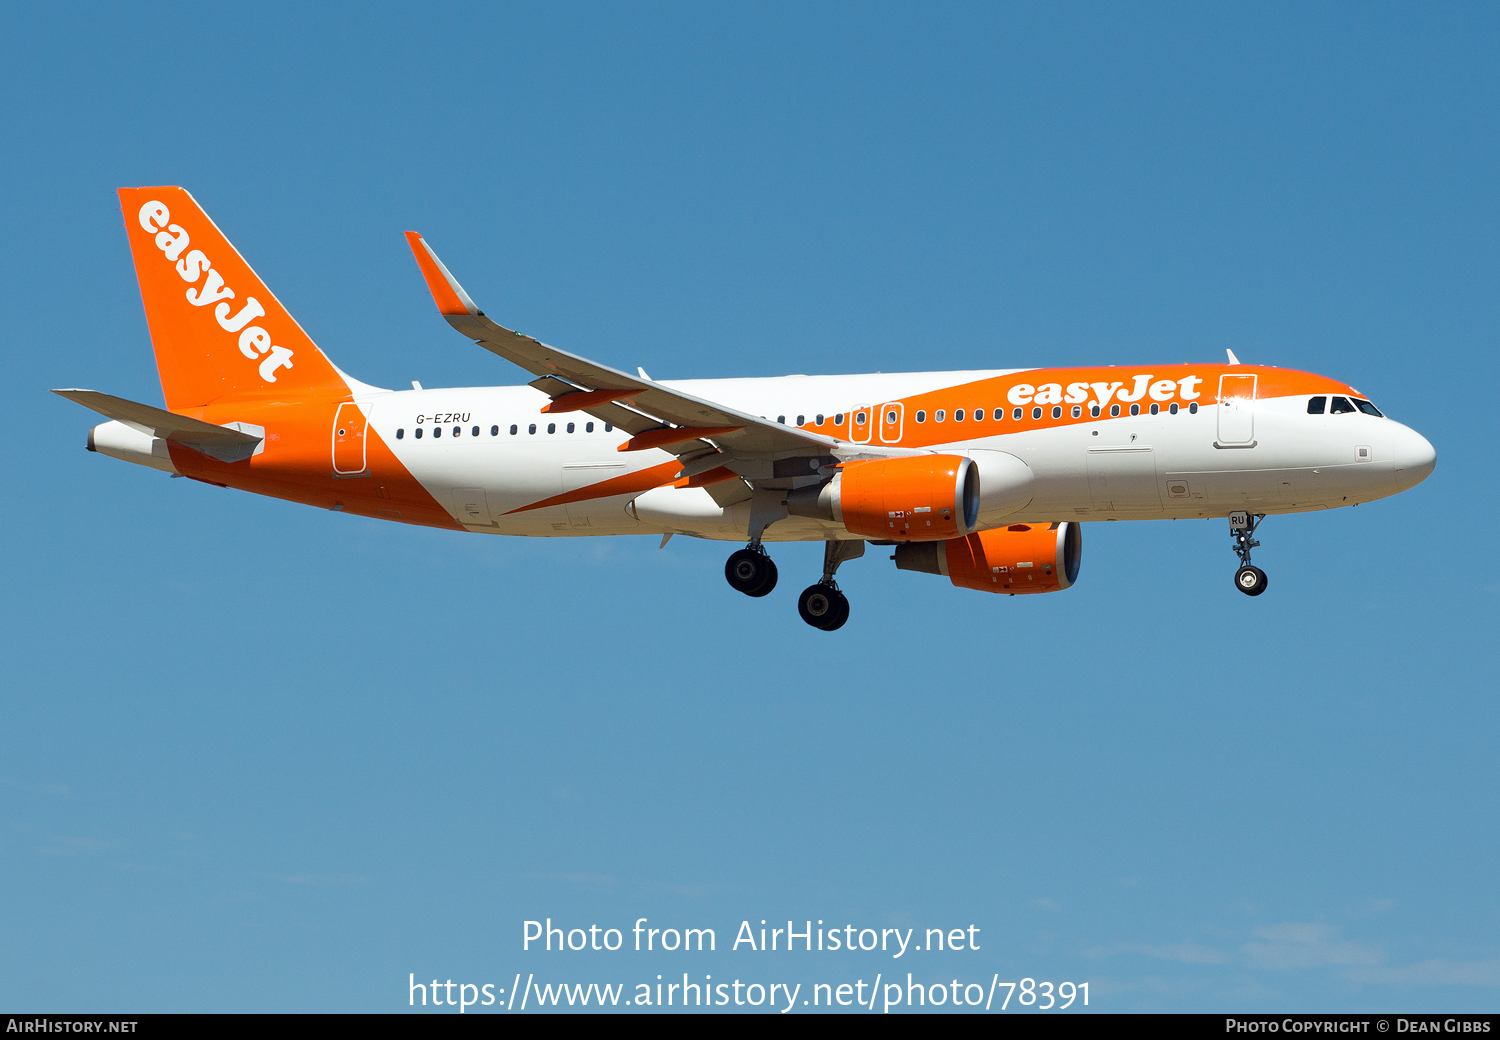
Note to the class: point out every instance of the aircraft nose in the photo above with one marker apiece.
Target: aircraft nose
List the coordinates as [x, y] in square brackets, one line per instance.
[1414, 458]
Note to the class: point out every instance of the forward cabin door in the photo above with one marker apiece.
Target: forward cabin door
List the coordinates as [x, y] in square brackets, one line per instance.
[349, 440]
[1236, 410]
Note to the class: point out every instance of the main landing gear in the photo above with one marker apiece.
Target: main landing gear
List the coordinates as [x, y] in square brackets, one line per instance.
[1248, 579]
[823, 606]
[751, 571]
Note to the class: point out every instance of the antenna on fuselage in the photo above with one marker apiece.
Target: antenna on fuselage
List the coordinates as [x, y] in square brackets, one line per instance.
[1232, 359]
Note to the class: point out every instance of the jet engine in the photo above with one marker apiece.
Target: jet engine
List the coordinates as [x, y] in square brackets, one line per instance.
[1014, 560]
[915, 498]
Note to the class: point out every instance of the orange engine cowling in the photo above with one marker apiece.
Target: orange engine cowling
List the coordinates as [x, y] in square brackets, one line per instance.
[915, 498]
[1014, 560]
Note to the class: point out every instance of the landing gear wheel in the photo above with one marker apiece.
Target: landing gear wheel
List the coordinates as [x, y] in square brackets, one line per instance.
[750, 572]
[843, 614]
[823, 606]
[765, 590]
[1251, 581]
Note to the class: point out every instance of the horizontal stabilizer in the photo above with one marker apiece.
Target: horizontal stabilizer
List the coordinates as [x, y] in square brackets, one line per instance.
[220, 442]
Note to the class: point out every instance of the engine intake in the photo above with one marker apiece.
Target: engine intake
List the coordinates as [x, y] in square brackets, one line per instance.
[916, 498]
[1015, 560]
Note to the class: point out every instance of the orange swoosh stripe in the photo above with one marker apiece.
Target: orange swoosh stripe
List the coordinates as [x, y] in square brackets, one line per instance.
[627, 484]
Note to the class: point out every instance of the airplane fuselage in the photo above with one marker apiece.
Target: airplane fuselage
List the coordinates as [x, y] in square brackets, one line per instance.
[487, 459]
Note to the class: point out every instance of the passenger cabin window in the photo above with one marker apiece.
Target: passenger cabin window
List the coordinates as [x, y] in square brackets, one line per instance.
[1094, 411]
[1135, 409]
[1016, 414]
[838, 420]
[514, 429]
[801, 420]
[607, 427]
[495, 431]
[531, 428]
[1173, 408]
[1340, 406]
[552, 427]
[1114, 410]
[1367, 407]
[570, 427]
[1193, 408]
[890, 417]
[588, 427]
[979, 415]
[1057, 411]
[781, 419]
[437, 431]
[1316, 405]
[400, 434]
[457, 430]
[921, 415]
[958, 416]
[818, 420]
[418, 433]
[939, 415]
[999, 414]
[1077, 411]
[1036, 413]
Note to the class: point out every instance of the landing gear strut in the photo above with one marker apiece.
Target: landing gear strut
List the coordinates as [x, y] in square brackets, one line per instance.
[823, 605]
[1248, 579]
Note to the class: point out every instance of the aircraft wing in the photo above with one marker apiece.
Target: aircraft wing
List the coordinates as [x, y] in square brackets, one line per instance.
[655, 415]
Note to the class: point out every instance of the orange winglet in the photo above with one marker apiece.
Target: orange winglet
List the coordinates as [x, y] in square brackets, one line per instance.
[661, 438]
[585, 399]
[446, 292]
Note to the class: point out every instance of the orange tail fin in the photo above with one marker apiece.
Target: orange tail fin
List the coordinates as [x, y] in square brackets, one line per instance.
[218, 332]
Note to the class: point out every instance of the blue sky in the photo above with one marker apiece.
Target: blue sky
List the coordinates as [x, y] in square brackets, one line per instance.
[260, 757]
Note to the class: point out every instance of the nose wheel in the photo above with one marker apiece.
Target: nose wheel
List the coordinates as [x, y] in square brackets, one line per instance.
[1249, 579]
[751, 571]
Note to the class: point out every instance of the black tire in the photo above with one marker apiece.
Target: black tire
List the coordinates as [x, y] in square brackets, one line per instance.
[1252, 581]
[819, 605]
[748, 571]
[765, 590]
[842, 616]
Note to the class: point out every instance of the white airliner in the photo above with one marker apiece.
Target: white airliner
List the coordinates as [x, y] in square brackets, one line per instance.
[981, 476]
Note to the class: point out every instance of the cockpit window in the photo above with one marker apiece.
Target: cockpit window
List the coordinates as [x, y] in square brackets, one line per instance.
[1367, 408]
[1316, 405]
[1340, 406]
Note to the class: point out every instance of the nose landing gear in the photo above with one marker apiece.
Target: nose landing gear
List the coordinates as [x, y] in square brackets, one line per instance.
[1250, 580]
